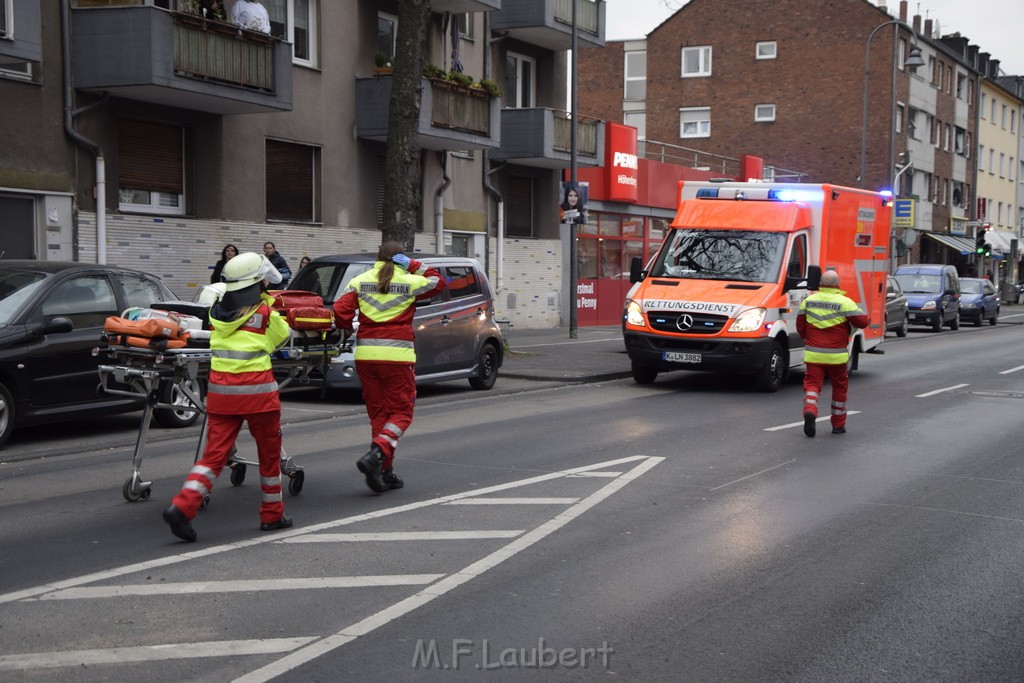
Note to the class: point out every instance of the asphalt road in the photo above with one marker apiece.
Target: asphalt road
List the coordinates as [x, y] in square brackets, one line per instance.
[685, 530]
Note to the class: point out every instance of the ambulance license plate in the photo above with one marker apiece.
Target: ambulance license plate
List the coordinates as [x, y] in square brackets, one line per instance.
[676, 357]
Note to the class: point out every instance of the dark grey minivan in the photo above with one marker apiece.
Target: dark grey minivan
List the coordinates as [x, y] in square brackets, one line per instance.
[456, 334]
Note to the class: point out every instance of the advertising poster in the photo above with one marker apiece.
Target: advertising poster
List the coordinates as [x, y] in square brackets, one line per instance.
[573, 208]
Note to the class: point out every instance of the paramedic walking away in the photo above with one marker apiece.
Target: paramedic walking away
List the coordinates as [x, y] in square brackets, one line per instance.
[242, 388]
[385, 356]
[825, 322]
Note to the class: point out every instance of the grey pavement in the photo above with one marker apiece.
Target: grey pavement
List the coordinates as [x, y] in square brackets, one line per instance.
[597, 353]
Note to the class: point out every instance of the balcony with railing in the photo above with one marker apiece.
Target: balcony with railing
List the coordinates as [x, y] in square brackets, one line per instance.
[548, 23]
[459, 6]
[181, 60]
[542, 137]
[452, 116]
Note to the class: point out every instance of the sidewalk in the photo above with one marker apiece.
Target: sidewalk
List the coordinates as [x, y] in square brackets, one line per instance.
[596, 354]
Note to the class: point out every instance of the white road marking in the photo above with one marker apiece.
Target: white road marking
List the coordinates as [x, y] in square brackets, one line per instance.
[514, 501]
[781, 464]
[790, 425]
[150, 653]
[246, 586]
[404, 536]
[313, 650]
[939, 391]
[610, 475]
[216, 550]
[1007, 372]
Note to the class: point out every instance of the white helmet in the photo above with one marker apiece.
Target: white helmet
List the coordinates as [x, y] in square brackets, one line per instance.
[210, 294]
[249, 269]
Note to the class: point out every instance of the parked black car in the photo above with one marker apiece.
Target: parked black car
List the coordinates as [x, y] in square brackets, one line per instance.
[51, 318]
[978, 301]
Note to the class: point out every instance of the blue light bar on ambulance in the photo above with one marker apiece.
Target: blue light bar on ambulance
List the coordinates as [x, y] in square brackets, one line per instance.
[790, 194]
[707, 193]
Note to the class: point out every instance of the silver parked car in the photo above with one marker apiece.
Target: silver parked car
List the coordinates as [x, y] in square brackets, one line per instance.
[456, 334]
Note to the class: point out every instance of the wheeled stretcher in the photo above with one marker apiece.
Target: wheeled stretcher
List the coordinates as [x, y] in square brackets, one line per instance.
[178, 374]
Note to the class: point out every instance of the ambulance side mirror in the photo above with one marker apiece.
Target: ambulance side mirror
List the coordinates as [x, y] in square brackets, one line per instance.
[814, 277]
[636, 270]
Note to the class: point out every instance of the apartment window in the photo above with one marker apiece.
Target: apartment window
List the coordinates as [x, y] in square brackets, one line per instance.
[293, 182]
[901, 55]
[519, 206]
[695, 122]
[150, 167]
[1004, 117]
[637, 119]
[949, 80]
[999, 214]
[945, 191]
[520, 88]
[961, 82]
[1013, 123]
[635, 88]
[991, 161]
[467, 25]
[302, 33]
[984, 99]
[764, 112]
[6, 18]
[696, 61]
[959, 139]
[768, 49]
[1002, 165]
[931, 69]
[968, 145]
[1010, 166]
[981, 157]
[992, 116]
[948, 136]
[900, 107]
[387, 30]
[912, 124]
[970, 92]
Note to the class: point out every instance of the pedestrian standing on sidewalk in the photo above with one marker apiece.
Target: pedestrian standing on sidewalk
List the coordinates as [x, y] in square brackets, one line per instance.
[241, 388]
[825, 322]
[229, 252]
[385, 356]
[270, 251]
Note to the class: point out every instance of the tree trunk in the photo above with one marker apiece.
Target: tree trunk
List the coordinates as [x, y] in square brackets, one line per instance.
[403, 172]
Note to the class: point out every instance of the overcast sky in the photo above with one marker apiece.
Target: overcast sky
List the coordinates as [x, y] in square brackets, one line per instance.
[996, 26]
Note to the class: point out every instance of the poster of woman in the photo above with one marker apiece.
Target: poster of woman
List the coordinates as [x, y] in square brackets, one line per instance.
[573, 208]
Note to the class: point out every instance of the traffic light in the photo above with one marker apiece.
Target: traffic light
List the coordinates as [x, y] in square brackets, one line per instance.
[980, 245]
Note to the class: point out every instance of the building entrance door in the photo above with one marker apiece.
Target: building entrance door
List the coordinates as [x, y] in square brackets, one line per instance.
[17, 225]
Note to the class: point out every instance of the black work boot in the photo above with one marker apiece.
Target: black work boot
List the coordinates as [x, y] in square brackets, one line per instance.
[370, 465]
[392, 480]
[809, 428]
[285, 522]
[839, 430]
[180, 525]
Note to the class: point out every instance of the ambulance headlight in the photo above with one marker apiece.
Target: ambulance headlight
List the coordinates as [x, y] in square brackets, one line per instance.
[749, 320]
[635, 314]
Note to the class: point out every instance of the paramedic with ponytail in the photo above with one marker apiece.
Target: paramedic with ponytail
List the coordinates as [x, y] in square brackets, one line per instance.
[825, 322]
[241, 388]
[384, 297]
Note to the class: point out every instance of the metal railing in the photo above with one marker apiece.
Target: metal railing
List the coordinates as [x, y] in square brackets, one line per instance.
[216, 51]
[586, 14]
[695, 158]
[460, 108]
[586, 134]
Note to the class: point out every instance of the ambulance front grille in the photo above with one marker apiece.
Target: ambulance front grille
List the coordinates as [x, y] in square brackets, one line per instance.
[699, 323]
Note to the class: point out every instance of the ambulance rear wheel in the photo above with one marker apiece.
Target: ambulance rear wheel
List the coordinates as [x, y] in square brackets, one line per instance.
[771, 375]
[644, 374]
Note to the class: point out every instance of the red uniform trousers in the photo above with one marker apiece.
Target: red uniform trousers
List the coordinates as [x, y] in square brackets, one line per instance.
[389, 392]
[222, 432]
[814, 380]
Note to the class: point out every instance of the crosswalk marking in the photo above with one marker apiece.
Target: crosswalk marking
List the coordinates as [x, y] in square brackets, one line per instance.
[403, 536]
[244, 586]
[514, 501]
[150, 653]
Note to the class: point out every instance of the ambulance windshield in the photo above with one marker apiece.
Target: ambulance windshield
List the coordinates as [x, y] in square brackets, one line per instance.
[737, 255]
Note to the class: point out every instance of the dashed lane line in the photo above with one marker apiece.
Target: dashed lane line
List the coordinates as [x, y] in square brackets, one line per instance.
[939, 391]
[790, 425]
[514, 501]
[1007, 372]
[404, 536]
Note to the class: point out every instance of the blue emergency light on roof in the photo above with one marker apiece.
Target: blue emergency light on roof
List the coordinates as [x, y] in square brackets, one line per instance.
[789, 194]
[707, 193]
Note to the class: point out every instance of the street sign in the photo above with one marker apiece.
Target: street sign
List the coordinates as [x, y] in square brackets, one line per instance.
[903, 213]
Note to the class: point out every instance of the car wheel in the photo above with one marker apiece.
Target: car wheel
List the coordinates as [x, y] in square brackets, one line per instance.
[901, 331]
[981, 319]
[769, 378]
[6, 414]
[487, 368]
[954, 324]
[937, 325]
[183, 416]
[995, 318]
[643, 374]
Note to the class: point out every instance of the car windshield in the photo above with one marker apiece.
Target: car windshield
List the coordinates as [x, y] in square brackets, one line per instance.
[736, 255]
[16, 286]
[918, 283]
[326, 278]
[971, 287]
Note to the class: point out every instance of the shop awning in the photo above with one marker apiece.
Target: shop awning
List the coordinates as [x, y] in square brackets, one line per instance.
[1000, 240]
[960, 244]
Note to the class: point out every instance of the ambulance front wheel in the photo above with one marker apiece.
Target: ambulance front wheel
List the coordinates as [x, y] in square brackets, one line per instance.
[771, 375]
[644, 374]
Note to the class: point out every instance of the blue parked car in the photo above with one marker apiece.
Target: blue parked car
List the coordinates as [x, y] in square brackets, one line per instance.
[978, 301]
[933, 294]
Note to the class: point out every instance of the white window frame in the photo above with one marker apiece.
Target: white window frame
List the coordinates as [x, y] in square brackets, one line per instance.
[900, 115]
[516, 100]
[394, 24]
[154, 205]
[467, 25]
[702, 123]
[627, 78]
[7, 14]
[766, 49]
[981, 111]
[761, 112]
[981, 157]
[703, 61]
[312, 29]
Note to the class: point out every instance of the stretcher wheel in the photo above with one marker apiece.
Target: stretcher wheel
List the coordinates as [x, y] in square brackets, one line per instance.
[129, 492]
[146, 493]
[295, 482]
[205, 503]
[238, 473]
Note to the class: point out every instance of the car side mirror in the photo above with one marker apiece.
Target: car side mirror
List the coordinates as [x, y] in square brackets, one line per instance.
[814, 277]
[58, 325]
[890, 295]
[636, 271]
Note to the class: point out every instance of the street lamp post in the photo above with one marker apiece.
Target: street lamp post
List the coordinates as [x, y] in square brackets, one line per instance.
[914, 60]
[573, 268]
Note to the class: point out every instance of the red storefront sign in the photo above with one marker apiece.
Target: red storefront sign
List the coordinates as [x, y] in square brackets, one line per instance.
[621, 162]
[981, 207]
